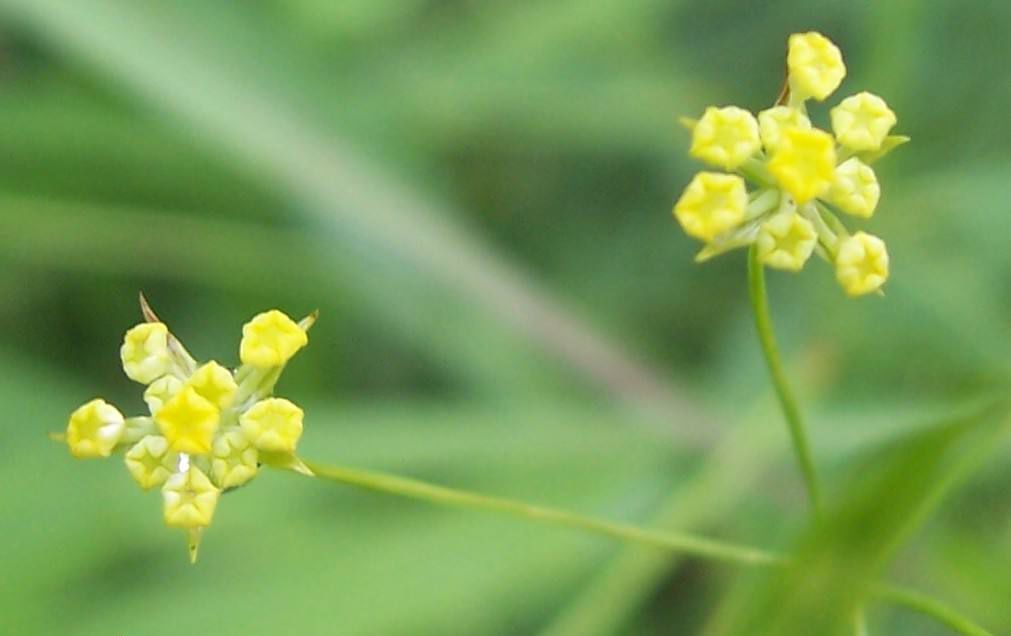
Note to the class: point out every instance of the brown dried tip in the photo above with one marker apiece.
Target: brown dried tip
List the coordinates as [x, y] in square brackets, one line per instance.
[177, 348]
[784, 93]
[306, 323]
[145, 309]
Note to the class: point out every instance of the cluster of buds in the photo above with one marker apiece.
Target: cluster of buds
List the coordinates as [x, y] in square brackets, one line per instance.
[801, 175]
[209, 429]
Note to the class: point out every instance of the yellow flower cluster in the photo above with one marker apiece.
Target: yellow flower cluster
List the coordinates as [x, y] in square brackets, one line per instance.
[209, 429]
[801, 175]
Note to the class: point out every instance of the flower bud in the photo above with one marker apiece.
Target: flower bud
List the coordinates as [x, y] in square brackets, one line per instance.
[270, 339]
[815, 66]
[861, 264]
[161, 391]
[145, 352]
[862, 121]
[773, 121]
[188, 422]
[189, 499]
[235, 460]
[711, 204]
[803, 163]
[94, 429]
[215, 384]
[725, 137]
[786, 241]
[150, 461]
[274, 424]
[854, 188]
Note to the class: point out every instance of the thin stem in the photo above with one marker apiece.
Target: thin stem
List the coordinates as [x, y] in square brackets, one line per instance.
[937, 610]
[763, 322]
[681, 542]
[860, 622]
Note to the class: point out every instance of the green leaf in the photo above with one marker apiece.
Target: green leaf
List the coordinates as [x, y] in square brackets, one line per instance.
[839, 558]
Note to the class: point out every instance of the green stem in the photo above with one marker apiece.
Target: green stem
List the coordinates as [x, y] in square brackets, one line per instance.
[859, 622]
[763, 322]
[931, 607]
[681, 542]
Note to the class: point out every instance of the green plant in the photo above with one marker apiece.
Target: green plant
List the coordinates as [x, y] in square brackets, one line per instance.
[210, 430]
[222, 110]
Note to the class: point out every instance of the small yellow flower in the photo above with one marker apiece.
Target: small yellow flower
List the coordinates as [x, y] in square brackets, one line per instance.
[188, 422]
[94, 429]
[274, 424]
[145, 352]
[215, 384]
[235, 460]
[815, 66]
[711, 204]
[150, 461]
[786, 241]
[855, 188]
[189, 499]
[861, 265]
[725, 137]
[862, 121]
[270, 339]
[207, 431]
[773, 121]
[804, 163]
[161, 391]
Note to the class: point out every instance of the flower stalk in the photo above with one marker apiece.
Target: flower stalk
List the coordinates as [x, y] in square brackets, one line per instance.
[676, 541]
[788, 404]
[935, 609]
[694, 545]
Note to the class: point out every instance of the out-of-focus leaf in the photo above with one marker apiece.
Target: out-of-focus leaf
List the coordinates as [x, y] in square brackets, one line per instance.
[277, 262]
[162, 56]
[839, 558]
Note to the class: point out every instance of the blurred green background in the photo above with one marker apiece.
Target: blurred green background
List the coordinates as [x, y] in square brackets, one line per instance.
[476, 196]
